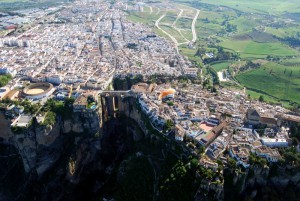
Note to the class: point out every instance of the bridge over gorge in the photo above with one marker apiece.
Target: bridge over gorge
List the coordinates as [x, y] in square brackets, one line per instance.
[113, 101]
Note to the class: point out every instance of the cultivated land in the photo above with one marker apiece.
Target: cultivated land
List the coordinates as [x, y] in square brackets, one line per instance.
[221, 66]
[274, 80]
[267, 6]
[249, 48]
[15, 5]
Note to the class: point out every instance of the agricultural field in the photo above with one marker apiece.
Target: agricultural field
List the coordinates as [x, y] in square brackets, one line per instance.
[251, 49]
[291, 62]
[245, 24]
[190, 53]
[274, 7]
[220, 66]
[14, 5]
[175, 33]
[143, 17]
[274, 80]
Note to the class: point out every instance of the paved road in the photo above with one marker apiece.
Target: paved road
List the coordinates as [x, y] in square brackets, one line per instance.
[158, 10]
[178, 16]
[193, 26]
[172, 38]
[178, 30]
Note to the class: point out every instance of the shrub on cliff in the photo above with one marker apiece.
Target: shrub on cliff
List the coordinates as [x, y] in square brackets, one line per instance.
[50, 119]
[256, 160]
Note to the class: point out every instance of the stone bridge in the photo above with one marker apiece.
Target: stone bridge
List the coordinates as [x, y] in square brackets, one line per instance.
[121, 94]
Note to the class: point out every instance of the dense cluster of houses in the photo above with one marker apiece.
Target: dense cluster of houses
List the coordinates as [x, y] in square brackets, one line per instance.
[220, 121]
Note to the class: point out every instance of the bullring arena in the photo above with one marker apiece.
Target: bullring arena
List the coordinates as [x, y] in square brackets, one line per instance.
[38, 90]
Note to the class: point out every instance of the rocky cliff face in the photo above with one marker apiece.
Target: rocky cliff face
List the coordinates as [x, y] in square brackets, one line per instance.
[262, 183]
[71, 154]
[39, 145]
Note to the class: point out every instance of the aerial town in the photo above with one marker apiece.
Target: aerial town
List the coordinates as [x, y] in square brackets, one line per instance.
[79, 50]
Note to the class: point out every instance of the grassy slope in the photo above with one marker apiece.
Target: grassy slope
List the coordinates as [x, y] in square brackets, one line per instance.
[143, 17]
[173, 32]
[243, 24]
[220, 66]
[190, 53]
[249, 48]
[272, 6]
[275, 83]
[14, 5]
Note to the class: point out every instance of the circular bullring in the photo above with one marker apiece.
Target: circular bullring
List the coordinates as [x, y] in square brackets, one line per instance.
[37, 90]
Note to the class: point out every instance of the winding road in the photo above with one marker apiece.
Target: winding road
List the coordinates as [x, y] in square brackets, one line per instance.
[170, 36]
[193, 26]
[178, 16]
[174, 27]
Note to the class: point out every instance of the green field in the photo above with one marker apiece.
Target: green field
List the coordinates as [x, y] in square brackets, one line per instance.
[184, 23]
[14, 5]
[291, 62]
[173, 32]
[187, 34]
[244, 24]
[13, 1]
[256, 6]
[190, 53]
[248, 48]
[274, 80]
[220, 66]
[143, 17]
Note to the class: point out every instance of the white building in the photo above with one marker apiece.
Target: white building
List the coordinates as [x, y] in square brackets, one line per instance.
[8, 71]
[272, 155]
[54, 79]
[191, 72]
[274, 142]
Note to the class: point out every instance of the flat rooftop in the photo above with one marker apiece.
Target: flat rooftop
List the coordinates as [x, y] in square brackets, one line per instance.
[22, 121]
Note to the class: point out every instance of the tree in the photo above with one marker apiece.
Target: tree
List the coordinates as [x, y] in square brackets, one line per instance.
[4, 79]
[295, 141]
[261, 98]
[256, 160]
[231, 163]
[194, 163]
[201, 51]
[49, 119]
[295, 130]
[90, 99]
[169, 125]
[201, 150]
[69, 101]
[170, 103]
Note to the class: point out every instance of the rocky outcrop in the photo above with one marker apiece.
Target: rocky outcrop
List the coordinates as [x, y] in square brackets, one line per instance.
[5, 133]
[285, 176]
[206, 186]
[256, 176]
[257, 181]
[39, 145]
